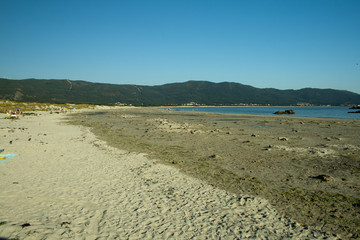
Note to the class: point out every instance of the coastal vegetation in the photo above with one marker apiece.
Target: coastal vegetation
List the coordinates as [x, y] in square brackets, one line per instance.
[7, 105]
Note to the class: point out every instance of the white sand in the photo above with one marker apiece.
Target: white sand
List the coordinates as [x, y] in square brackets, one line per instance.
[66, 184]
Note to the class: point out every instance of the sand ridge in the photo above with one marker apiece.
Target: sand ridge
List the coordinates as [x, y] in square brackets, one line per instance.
[67, 184]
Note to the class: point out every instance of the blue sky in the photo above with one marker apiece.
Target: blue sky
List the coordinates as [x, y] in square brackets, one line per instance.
[284, 44]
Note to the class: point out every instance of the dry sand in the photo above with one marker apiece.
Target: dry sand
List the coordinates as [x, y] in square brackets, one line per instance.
[67, 184]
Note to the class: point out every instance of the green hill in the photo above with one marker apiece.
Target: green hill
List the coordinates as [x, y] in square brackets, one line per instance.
[201, 92]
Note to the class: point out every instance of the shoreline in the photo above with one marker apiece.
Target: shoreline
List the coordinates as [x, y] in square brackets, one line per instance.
[275, 108]
[67, 184]
[256, 106]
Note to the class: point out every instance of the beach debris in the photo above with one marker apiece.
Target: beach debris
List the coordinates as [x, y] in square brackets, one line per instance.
[290, 111]
[331, 138]
[215, 131]
[214, 156]
[322, 177]
[282, 139]
[5, 157]
[64, 223]
[268, 148]
[253, 135]
[26, 225]
[11, 142]
[1, 150]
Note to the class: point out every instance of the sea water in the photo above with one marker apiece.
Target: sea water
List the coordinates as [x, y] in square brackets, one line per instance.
[322, 112]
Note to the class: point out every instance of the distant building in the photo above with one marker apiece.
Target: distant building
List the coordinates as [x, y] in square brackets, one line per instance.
[120, 104]
[304, 104]
[192, 104]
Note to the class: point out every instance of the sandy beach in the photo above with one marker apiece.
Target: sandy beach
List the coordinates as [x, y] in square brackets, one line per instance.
[67, 183]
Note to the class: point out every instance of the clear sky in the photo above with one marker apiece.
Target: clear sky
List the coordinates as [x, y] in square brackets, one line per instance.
[284, 44]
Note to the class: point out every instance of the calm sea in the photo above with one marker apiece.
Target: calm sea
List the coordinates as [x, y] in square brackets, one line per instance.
[323, 112]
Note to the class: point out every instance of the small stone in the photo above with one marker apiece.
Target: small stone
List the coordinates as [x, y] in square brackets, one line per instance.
[253, 135]
[283, 139]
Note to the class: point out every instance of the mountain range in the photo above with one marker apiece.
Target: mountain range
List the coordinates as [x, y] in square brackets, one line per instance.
[199, 92]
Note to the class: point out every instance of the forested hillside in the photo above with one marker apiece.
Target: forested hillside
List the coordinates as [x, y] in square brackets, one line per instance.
[200, 92]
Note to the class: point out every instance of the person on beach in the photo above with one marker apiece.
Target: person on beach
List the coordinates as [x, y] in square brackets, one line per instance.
[14, 115]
